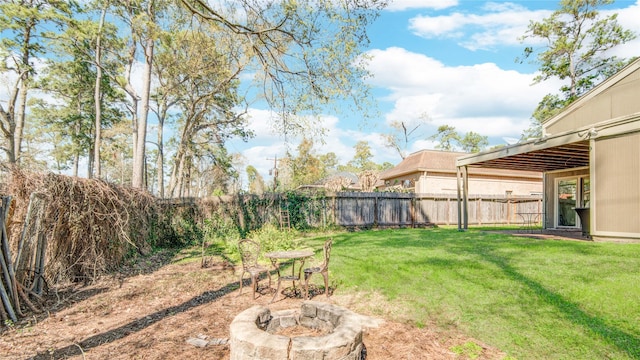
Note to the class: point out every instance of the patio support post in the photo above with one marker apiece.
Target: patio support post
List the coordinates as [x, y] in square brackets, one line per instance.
[543, 211]
[463, 197]
[458, 184]
[465, 194]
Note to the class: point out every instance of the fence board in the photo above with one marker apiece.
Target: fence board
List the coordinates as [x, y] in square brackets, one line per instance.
[394, 209]
[358, 209]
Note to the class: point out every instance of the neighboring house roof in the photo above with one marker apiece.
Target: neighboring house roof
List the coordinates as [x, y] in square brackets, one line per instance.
[424, 160]
[434, 161]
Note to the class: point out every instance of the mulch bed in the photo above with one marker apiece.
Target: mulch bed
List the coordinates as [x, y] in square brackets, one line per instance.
[151, 313]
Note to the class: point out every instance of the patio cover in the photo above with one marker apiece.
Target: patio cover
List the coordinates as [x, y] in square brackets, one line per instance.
[567, 150]
[548, 153]
[543, 154]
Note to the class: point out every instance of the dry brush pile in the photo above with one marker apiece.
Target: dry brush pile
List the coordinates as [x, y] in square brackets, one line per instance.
[62, 228]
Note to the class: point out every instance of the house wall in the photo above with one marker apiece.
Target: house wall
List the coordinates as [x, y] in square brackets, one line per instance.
[439, 184]
[616, 187]
[446, 183]
[616, 101]
[494, 187]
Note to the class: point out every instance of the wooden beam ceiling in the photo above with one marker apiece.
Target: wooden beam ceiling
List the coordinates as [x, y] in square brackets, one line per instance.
[567, 156]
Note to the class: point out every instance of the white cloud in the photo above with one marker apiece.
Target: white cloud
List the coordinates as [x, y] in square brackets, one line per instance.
[416, 106]
[482, 98]
[504, 24]
[260, 150]
[422, 144]
[629, 20]
[261, 122]
[267, 144]
[9, 80]
[400, 5]
[629, 17]
[500, 24]
[262, 158]
[492, 125]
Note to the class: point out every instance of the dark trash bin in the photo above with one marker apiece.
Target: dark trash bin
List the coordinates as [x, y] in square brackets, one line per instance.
[584, 215]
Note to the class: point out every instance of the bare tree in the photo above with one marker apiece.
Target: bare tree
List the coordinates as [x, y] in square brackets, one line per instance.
[405, 132]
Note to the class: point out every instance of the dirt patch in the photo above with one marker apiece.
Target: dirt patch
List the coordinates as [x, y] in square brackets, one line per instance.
[299, 330]
[153, 309]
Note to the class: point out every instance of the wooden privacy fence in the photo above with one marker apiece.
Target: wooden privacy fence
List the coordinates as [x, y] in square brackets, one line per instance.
[359, 209]
[399, 209]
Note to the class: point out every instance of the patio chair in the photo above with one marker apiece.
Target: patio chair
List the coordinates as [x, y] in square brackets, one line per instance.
[249, 252]
[322, 269]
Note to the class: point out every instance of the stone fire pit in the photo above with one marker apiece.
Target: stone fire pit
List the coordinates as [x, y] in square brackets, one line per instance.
[255, 333]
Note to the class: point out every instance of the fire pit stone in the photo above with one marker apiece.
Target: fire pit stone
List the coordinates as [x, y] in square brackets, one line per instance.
[253, 333]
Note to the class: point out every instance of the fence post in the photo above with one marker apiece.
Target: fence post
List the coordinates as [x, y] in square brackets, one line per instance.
[375, 210]
[508, 207]
[412, 212]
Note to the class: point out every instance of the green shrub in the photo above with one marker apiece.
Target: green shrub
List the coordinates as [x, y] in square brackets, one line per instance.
[271, 238]
[219, 228]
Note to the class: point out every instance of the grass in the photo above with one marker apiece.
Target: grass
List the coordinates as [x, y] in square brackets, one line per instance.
[533, 299]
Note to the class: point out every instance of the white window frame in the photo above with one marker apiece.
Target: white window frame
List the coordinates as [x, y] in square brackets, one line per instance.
[579, 200]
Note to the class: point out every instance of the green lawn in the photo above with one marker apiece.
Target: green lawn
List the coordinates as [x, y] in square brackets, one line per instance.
[533, 299]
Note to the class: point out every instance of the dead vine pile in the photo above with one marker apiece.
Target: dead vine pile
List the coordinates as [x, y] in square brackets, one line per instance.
[89, 226]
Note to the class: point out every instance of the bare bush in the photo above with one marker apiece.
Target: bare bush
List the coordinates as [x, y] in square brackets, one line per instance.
[90, 226]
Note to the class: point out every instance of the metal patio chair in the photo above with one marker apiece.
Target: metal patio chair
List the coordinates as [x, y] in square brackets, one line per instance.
[322, 269]
[249, 253]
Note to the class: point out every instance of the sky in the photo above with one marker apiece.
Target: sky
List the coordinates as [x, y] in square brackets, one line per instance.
[451, 60]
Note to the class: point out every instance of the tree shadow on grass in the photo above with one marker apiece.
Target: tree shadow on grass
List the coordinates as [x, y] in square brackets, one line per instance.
[475, 248]
[137, 325]
[622, 340]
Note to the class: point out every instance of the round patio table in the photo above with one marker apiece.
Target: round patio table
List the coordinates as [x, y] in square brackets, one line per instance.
[293, 255]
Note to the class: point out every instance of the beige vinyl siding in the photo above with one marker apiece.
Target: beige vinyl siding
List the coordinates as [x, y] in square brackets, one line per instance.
[625, 98]
[619, 100]
[616, 190]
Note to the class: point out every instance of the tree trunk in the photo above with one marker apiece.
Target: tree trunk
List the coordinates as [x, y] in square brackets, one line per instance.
[8, 129]
[20, 118]
[97, 98]
[90, 164]
[177, 173]
[160, 160]
[137, 178]
[76, 161]
[135, 99]
[22, 99]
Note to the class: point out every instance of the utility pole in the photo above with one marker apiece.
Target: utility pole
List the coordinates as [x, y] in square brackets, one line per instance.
[274, 172]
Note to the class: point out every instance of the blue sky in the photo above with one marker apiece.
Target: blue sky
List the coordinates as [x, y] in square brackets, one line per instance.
[453, 60]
